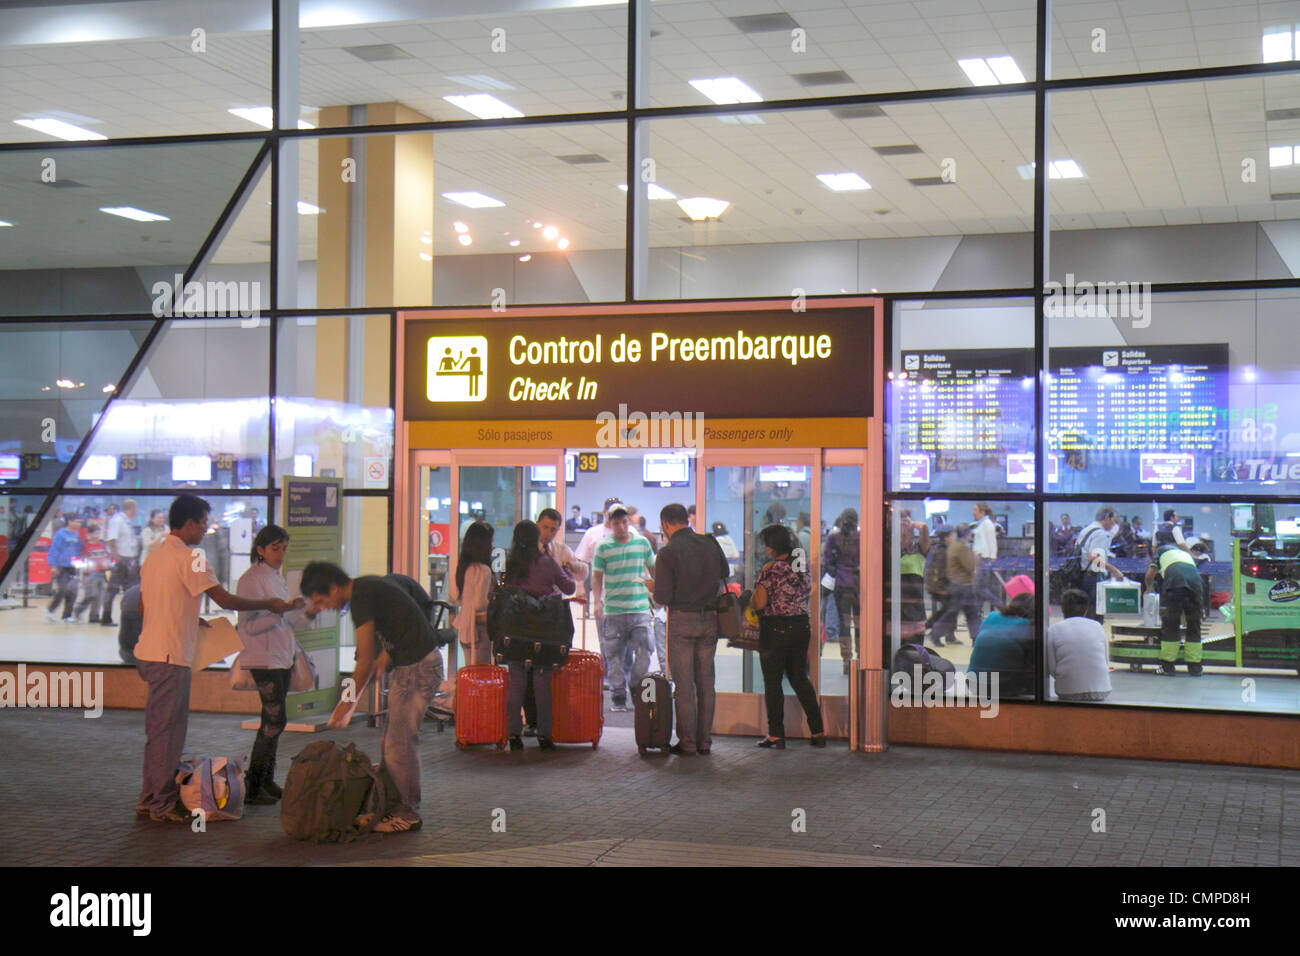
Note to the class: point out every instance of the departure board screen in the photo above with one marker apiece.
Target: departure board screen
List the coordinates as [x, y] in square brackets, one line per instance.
[964, 419]
[1143, 417]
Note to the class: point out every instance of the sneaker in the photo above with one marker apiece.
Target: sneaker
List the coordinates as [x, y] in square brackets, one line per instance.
[107, 624]
[51, 617]
[1166, 670]
[619, 705]
[530, 731]
[176, 814]
[395, 824]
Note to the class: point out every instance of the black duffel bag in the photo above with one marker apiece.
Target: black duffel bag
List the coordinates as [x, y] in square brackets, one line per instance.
[525, 628]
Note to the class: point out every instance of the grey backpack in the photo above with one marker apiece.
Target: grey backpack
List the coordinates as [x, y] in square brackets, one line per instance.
[327, 789]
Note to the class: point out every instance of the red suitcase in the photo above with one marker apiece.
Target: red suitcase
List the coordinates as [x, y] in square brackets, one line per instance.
[578, 699]
[481, 705]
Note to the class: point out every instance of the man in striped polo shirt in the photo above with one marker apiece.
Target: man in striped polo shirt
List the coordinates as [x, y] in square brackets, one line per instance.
[620, 585]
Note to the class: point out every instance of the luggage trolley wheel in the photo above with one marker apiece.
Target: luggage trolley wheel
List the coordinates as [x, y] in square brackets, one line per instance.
[501, 745]
[595, 744]
[460, 745]
[1135, 668]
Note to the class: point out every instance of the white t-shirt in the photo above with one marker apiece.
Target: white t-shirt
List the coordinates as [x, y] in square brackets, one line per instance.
[1094, 543]
[172, 579]
[123, 536]
[1076, 656]
[984, 540]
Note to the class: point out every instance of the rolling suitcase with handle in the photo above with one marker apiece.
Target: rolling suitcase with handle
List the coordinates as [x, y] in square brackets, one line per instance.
[578, 699]
[481, 705]
[653, 703]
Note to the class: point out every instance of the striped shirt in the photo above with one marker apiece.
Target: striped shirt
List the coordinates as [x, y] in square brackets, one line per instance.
[624, 568]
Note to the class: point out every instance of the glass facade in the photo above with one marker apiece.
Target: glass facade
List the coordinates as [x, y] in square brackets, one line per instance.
[1089, 265]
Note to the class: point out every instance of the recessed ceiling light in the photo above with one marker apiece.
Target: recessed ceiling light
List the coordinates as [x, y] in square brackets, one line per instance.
[525, 258]
[4, 224]
[1277, 45]
[537, 225]
[700, 208]
[426, 257]
[514, 242]
[1065, 169]
[1280, 156]
[130, 212]
[843, 182]
[653, 191]
[483, 105]
[108, 388]
[427, 239]
[991, 72]
[465, 239]
[308, 209]
[474, 200]
[727, 89]
[563, 243]
[550, 232]
[378, 52]
[480, 81]
[1005, 69]
[59, 129]
[460, 226]
[262, 116]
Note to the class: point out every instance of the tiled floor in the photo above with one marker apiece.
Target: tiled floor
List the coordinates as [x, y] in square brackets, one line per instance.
[68, 786]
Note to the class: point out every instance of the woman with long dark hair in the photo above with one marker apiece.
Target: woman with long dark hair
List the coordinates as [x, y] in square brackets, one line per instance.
[530, 569]
[471, 590]
[842, 564]
[269, 647]
[781, 599]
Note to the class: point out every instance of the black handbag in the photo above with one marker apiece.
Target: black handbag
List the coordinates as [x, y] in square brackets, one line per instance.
[525, 628]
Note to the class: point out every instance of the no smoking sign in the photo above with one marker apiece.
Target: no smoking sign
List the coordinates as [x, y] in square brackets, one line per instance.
[376, 472]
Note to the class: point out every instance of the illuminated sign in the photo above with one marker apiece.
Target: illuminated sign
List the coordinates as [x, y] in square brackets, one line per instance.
[732, 364]
[1167, 469]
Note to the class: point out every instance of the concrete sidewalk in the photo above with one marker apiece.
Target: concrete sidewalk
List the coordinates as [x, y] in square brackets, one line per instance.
[68, 787]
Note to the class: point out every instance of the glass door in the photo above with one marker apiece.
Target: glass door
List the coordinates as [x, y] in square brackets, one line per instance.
[742, 493]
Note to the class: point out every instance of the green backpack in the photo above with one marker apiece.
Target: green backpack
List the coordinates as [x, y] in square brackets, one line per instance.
[327, 789]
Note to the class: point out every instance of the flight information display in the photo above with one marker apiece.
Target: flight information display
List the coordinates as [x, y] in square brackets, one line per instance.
[960, 414]
[1142, 416]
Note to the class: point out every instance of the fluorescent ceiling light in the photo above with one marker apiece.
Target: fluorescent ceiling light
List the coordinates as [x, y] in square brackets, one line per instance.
[474, 200]
[465, 239]
[4, 224]
[727, 89]
[460, 226]
[329, 17]
[654, 191]
[525, 258]
[308, 209]
[843, 182]
[108, 388]
[1277, 45]
[130, 212]
[59, 129]
[514, 242]
[700, 208]
[1056, 169]
[744, 119]
[480, 81]
[483, 105]
[1279, 156]
[1005, 69]
[426, 257]
[262, 116]
[979, 72]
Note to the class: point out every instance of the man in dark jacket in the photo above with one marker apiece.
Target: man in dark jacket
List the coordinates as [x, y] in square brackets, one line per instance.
[689, 572]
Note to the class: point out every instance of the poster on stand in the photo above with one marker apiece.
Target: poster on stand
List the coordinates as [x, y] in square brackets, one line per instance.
[313, 516]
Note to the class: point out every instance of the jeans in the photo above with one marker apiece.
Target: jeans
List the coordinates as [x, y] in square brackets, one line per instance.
[93, 596]
[272, 688]
[521, 677]
[64, 586]
[124, 574]
[783, 652]
[692, 645]
[410, 688]
[166, 718]
[661, 644]
[846, 604]
[624, 632]
[832, 615]
[961, 599]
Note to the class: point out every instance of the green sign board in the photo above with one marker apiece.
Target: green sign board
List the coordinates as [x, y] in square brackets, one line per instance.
[312, 510]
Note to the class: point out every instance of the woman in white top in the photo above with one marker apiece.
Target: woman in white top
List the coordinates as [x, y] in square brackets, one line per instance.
[151, 534]
[1076, 652]
[268, 652]
[471, 590]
